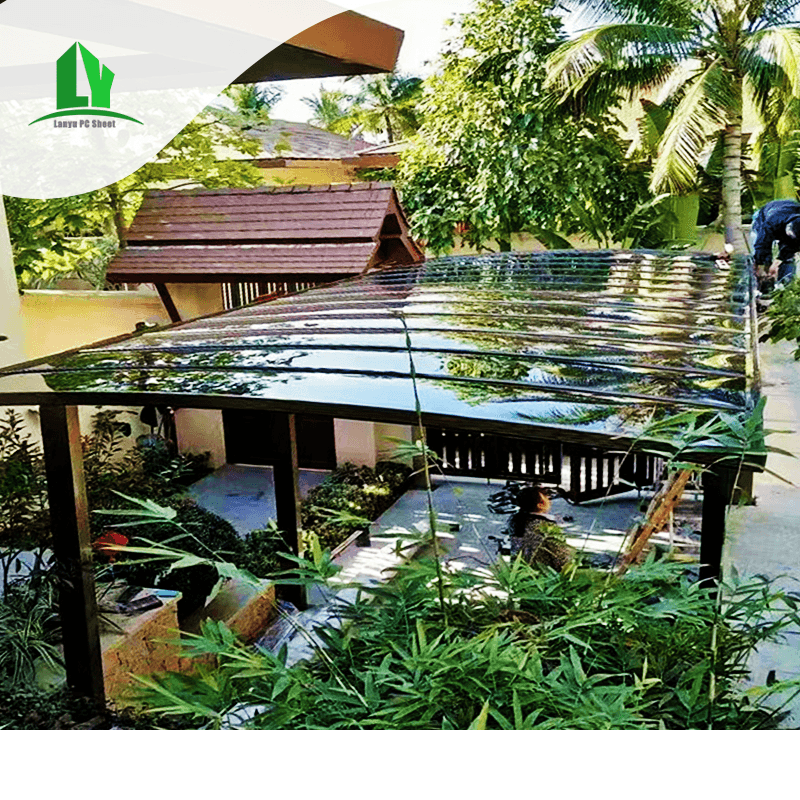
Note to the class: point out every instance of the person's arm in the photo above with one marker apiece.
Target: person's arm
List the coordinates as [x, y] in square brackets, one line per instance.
[773, 268]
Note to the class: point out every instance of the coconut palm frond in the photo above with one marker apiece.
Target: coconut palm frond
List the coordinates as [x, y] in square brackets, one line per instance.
[707, 100]
[633, 52]
[769, 13]
[664, 12]
[773, 54]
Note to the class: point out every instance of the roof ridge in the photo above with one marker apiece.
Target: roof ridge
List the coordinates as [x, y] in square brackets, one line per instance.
[280, 189]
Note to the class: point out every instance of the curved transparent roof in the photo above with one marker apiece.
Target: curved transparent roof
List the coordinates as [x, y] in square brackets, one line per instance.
[577, 345]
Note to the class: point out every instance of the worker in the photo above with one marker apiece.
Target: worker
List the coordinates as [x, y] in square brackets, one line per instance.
[778, 221]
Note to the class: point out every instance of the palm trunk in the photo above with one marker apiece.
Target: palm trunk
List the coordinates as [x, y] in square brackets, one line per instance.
[732, 184]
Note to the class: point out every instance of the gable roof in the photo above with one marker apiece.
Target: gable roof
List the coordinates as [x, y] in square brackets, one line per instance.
[258, 234]
[284, 139]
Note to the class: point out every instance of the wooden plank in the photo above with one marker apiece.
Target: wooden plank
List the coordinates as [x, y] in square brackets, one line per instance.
[270, 210]
[69, 525]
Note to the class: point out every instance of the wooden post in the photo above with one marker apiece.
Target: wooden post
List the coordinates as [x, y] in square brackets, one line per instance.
[287, 491]
[169, 303]
[717, 491]
[69, 523]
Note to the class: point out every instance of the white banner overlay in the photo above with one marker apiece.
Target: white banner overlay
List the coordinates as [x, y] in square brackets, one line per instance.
[92, 89]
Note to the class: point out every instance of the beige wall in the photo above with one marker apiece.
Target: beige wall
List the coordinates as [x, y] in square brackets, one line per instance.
[200, 430]
[196, 299]
[310, 173]
[11, 350]
[366, 442]
[57, 320]
[355, 442]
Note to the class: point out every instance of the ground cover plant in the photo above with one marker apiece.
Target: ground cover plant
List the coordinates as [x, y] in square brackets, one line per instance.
[350, 498]
[520, 647]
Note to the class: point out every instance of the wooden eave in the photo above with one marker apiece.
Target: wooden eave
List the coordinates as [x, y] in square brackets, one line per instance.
[344, 44]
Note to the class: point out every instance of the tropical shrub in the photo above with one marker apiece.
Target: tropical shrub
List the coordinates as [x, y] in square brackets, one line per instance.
[520, 648]
[349, 498]
[148, 469]
[783, 317]
[24, 520]
[30, 632]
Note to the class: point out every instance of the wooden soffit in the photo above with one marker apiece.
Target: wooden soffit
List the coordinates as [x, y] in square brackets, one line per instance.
[344, 44]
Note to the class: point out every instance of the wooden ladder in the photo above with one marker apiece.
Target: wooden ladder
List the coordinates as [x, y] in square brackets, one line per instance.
[663, 502]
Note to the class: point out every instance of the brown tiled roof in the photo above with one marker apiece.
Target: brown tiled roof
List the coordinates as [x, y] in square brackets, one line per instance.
[215, 263]
[245, 234]
[338, 211]
[282, 139]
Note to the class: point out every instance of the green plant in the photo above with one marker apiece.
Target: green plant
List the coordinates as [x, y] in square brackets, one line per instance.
[24, 521]
[523, 648]
[494, 158]
[147, 468]
[350, 497]
[185, 547]
[709, 55]
[783, 317]
[30, 631]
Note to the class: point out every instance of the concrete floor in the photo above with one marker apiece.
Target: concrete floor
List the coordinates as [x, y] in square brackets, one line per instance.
[245, 495]
[765, 539]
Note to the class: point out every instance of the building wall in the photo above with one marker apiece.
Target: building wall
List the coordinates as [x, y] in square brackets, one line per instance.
[315, 172]
[57, 320]
[196, 299]
[11, 349]
[200, 430]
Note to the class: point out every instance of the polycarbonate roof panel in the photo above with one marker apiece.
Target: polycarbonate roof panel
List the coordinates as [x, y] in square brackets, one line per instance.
[582, 345]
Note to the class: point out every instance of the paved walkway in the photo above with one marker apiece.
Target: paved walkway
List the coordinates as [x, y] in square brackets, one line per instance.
[461, 506]
[245, 495]
[764, 539]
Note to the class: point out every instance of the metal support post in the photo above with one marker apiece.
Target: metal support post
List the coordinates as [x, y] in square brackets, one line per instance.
[287, 491]
[718, 486]
[69, 524]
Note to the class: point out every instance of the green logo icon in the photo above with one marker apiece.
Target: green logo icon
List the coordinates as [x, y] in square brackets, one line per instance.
[70, 103]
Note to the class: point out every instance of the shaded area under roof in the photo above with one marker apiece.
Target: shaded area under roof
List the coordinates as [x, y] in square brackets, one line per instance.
[264, 233]
[573, 346]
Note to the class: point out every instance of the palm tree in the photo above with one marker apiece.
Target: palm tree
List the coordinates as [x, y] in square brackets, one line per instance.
[711, 55]
[331, 109]
[386, 105]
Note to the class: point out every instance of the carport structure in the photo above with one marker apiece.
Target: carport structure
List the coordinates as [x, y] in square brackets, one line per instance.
[584, 348]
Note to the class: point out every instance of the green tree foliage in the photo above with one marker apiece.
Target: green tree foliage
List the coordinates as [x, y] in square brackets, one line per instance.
[36, 226]
[387, 105]
[330, 110]
[712, 54]
[493, 159]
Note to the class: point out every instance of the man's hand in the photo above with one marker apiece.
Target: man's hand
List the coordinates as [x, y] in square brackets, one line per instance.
[773, 269]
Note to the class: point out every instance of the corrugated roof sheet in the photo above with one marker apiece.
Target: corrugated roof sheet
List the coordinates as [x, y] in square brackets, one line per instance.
[571, 345]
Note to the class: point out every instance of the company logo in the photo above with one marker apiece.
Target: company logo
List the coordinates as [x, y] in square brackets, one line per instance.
[71, 104]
